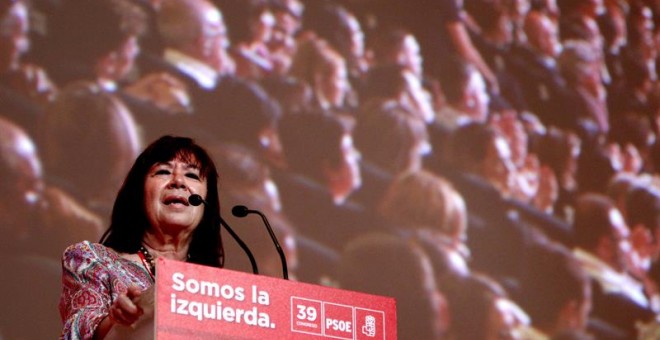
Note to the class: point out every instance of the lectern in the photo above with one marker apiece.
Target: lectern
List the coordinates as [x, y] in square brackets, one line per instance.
[199, 302]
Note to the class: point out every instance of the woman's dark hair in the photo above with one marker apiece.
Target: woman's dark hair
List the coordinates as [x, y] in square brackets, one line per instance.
[129, 220]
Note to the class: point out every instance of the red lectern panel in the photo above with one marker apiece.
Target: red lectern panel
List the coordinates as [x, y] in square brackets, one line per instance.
[198, 302]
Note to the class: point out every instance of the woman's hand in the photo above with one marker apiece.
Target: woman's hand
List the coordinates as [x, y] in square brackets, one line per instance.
[126, 309]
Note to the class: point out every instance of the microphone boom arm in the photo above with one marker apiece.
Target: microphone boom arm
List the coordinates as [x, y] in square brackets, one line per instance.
[196, 200]
[242, 244]
[285, 269]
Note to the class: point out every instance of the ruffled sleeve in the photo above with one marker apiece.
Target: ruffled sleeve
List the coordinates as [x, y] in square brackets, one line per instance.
[86, 290]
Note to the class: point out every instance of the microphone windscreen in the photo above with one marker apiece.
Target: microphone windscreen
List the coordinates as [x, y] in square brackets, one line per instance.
[239, 211]
[195, 199]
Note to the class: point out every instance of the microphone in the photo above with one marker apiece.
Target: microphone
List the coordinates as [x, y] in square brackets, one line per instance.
[196, 200]
[239, 211]
[242, 211]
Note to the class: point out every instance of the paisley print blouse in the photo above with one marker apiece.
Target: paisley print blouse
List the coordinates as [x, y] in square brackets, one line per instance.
[93, 276]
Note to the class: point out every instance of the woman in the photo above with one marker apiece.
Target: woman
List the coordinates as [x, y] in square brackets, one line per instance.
[104, 284]
[324, 70]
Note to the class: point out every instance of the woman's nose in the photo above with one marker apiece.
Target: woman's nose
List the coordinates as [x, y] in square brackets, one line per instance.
[177, 181]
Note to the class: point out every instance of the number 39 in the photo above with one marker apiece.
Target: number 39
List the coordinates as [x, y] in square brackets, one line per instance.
[306, 313]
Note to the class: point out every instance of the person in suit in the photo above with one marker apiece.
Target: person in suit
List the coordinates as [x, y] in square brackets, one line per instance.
[534, 64]
[555, 290]
[223, 107]
[602, 247]
[323, 170]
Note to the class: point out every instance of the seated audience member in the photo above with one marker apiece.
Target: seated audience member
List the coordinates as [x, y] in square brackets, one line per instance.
[534, 63]
[108, 145]
[390, 138]
[40, 219]
[634, 134]
[251, 53]
[528, 170]
[450, 37]
[282, 44]
[603, 250]
[466, 96]
[612, 25]
[343, 32]
[619, 187]
[224, 107]
[495, 40]
[395, 83]
[578, 18]
[596, 166]
[399, 47]
[483, 152]
[247, 181]
[106, 38]
[555, 290]
[634, 93]
[481, 309]
[323, 171]
[643, 217]
[36, 222]
[580, 64]
[559, 150]
[387, 265]
[100, 40]
[482, 171]
[421, 200]
[324, 71]
[195, 42]
[25, 89]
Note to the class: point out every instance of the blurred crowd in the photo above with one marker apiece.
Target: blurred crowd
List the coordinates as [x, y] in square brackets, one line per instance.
[491, 164]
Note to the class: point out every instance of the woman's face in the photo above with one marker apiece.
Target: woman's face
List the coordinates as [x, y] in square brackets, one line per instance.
[167, 188]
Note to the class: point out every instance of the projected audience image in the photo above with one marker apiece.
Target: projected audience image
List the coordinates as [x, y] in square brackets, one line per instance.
[493, 165]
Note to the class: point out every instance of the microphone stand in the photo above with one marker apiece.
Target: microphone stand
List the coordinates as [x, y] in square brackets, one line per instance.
[242, 244]
[196, 200]
[242, 211]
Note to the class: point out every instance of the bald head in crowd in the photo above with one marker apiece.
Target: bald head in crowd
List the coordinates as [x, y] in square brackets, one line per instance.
[20, 180]
[20, 167]
[195, 28]
[542, 34]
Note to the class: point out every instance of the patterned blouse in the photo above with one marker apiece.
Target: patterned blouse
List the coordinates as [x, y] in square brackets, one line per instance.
[93, 276]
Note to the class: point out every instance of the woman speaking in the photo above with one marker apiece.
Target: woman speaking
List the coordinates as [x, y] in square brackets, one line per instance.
[106, 286]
